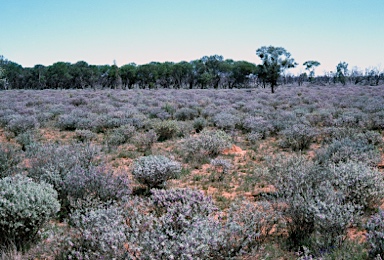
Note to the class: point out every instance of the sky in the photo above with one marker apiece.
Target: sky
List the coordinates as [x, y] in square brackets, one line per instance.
[140, 31]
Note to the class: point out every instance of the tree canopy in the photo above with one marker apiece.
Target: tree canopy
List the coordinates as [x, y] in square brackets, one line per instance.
[275, 60]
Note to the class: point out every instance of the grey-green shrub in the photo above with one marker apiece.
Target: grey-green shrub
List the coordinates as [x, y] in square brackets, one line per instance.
[375, 234]
[85, 135]
[9, 159]
[348, 149]
[320, 200]
[97, 233]
[154, 170]
[25, 206]
[297, 137]
[361, 184]
[199, 124]
[166, 130]
[121, 135]
[144, 141]
[21, 124]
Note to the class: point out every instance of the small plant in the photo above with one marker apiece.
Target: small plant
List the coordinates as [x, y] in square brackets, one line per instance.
[223, 166]
[185, 113]
[25, 206]
[154, 170]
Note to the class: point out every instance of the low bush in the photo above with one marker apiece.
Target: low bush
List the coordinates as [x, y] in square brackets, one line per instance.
[21, 124]
[347, 149]
[9, 159]
[208, 144]
[154, 170]
[144, 141]
[298, 137]
[322, 201]
[25, 206]
[99, 183]
[85, 135]
[226, 121]
[121, 135]
[166, 130]
[375, 235]
[96, 233]
[199, 124]
[185, 113]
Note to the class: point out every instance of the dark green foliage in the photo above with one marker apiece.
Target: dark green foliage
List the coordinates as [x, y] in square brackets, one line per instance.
[25, 206]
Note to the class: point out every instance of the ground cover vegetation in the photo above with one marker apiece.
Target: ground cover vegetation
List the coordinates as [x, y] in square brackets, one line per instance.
[192, 174]
[196, 161]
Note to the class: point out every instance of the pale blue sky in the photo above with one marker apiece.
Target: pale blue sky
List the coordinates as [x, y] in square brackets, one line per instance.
[98, 32]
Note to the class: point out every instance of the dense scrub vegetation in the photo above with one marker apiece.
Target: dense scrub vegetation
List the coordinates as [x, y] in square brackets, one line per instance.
[155, 174]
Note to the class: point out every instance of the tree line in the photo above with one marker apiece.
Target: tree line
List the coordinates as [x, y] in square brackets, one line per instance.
[207, 72]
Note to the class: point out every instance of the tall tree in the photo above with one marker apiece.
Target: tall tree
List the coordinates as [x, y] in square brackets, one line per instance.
[342, 72]
[311, 65]
[275, 60]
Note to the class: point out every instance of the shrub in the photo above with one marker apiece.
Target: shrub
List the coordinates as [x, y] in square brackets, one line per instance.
[144, 141]
[214, 142]
[375, 234]
[223, 166]
[361, 185]
[85, 135]
[98, 183]
[258, 124]
[185, 113]
[9, 159]
[226, 121]
[52, 163]
[207, 145]
[254, 137]
[298, 137]
[348, 149]
[166, 130]
[97, 233]
[21, 124]
[319, 202]
[154, 170]
[25, 206]
[121, 135]
[179, 227]
[199, 124]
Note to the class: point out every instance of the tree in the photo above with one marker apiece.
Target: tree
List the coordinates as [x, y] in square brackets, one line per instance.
[275, 61]
[128, 74]
[311, 66]
[342, 72]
